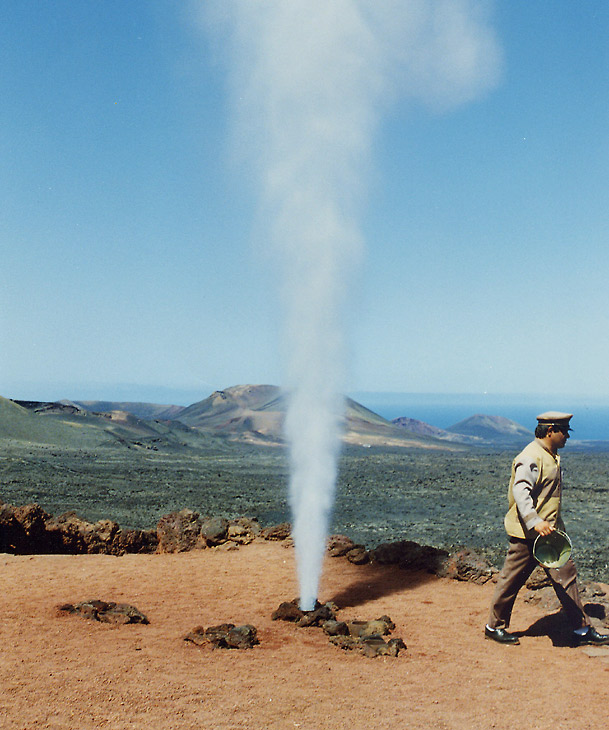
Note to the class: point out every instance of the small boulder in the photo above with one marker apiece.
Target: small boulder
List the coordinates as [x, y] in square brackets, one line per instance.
[358, 555]
[224, 636]
[287, 611]
[277, 532]
[467, 565]
[339, 545]
[135, 541]
[335, 628]
[316, 617]
[178, 532]
[214, 530]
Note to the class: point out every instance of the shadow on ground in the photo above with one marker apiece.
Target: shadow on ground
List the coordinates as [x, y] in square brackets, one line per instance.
[379, 581]
[555, 626]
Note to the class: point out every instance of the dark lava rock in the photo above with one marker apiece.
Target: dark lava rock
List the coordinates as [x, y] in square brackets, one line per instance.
[70, 534]
[214, 530]
[317, 617]
[243, 530]
[379, 627]
[225, 636]
[410, 555]
[33, 519]
[370, 647]
[277, 532]
[290, 611]
[339, 545]
[135, 541]
[287, 611]
[335, 628]
[106, 612]
[242, 637]
[13, 538]
[358, 555]
[30, 530]
[467, 565]
[178, 532]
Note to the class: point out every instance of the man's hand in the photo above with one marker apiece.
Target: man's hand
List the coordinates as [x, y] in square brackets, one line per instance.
[543, 528]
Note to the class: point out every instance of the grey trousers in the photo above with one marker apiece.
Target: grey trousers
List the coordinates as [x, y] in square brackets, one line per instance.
[518, 566]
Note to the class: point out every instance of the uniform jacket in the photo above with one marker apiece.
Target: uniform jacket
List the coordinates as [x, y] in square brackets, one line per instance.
[534, 492]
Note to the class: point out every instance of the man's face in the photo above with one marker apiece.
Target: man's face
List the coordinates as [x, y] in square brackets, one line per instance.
[559, 436]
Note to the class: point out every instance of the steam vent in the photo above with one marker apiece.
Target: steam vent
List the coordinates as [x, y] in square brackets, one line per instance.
[365, 637]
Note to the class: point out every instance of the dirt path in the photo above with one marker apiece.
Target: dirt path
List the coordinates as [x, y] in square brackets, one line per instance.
[64, 672]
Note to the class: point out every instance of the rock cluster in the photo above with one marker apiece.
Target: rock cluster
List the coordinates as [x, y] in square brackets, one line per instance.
[224, 636]
[31, 530]
[187, 530]
[463, 564]
[105, 611]
[365, 637]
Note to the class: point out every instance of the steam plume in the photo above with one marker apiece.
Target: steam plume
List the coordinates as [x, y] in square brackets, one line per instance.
[310, 79]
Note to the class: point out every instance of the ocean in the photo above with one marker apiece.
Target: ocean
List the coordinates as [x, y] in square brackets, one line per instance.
[590, 418]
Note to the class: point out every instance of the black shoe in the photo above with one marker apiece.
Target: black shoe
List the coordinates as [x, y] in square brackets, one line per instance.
[591, 637]
[501, 636]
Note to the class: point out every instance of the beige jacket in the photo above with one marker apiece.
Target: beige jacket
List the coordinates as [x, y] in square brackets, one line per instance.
[534, 492]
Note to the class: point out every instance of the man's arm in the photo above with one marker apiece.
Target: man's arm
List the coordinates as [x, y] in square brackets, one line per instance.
[525, 478]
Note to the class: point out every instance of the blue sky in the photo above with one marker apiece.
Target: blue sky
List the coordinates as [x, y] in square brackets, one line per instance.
[132, 267]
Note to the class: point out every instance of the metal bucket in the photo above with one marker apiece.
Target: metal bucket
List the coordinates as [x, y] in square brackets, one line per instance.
[552, 550]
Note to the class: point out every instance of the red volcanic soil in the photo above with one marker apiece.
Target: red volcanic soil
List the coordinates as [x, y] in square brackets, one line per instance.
[62, 671]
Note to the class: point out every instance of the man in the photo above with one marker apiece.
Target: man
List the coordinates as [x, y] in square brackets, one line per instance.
[534, 509]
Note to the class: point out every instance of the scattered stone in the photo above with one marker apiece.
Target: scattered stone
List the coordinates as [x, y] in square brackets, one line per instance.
[106, 612]
[180, 531]
[224, 636]
[370, 647]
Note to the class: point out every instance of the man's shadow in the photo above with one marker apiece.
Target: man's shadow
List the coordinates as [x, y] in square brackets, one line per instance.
[555, 626]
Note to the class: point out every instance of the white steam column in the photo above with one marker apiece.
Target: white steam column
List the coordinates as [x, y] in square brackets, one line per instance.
[310, 79]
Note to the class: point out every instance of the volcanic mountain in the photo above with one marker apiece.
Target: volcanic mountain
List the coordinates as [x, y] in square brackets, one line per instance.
[256, 413]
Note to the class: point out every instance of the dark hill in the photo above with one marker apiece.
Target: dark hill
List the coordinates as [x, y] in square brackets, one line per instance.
[494, 429]
[425, 429]
[141, 410]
